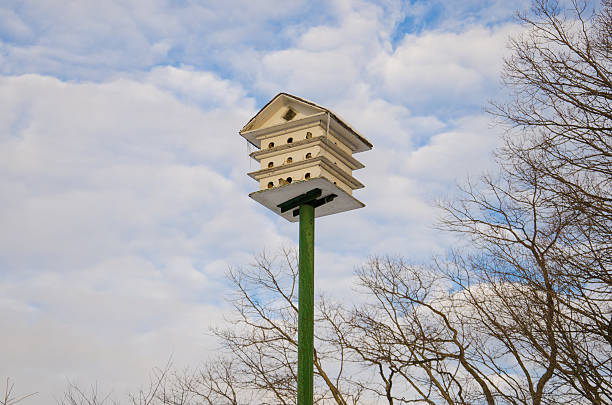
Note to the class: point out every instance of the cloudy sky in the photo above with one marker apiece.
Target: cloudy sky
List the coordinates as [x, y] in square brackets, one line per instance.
[123, 186]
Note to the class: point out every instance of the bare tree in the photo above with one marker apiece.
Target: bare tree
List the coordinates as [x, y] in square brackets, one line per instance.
[159, 391]
[75, 395]
[9, 397]
[525, 317]
[560, 75]
[520, 314]
[263, 338]
[560, 80]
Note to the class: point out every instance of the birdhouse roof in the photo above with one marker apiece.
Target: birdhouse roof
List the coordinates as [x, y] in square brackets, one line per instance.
[307, 112]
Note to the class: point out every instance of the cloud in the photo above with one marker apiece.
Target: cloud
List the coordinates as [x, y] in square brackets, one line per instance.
[124, 203]
[464, 150]
[203, 88]
[124, 193]
[108, 324]
[325, 61]
[443, 66]
[93, 40]
[364, 59]
[13, 27]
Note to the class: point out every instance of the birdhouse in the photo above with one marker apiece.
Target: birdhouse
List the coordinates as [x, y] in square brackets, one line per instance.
[302, 148]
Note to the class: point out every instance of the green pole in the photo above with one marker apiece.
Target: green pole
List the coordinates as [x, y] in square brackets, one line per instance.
[306, 305]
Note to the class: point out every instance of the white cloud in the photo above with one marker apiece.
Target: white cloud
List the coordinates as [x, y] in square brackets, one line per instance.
[92, 40]
[12, 26]
[109, 324]
[326, 60]
[121, 213]
[204, 88]
[110, 159]
[457, 153]
[441, 65]
[123, 177]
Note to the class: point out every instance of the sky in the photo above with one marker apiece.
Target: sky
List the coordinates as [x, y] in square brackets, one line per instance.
[123, 186]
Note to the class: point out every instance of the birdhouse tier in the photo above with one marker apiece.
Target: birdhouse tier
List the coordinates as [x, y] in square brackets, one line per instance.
[300, 142]
[304, 160]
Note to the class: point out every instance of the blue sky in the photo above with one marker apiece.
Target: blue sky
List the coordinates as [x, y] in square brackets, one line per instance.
[123, 179]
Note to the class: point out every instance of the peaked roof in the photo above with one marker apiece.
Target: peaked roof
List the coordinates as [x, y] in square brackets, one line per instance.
[363, 143]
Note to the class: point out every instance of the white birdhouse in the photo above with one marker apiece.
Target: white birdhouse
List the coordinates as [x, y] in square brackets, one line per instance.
[304, 147]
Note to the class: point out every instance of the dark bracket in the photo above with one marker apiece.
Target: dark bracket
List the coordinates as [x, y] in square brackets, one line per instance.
[317, 203]
[309, 198]
[301, 199]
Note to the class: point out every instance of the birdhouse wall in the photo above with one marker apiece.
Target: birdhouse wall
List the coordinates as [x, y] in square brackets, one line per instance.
[305, 170]
[332, 157]
[337, 181]
[300, 153]
[306, 151]
[295, 134]
[331, 136]
[297, 174]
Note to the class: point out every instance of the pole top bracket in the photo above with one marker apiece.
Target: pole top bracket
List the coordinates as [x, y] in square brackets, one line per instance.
[308, 198]
[317, 203]
[301, 199]
[291, 196]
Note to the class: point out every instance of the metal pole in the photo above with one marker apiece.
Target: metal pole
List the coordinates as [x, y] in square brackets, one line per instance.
[306, 305]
